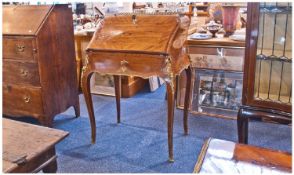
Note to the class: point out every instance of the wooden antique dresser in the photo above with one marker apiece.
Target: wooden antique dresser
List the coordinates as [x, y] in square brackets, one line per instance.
[39, 70]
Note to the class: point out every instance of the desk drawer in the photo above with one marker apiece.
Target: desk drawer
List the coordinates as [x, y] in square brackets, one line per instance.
[142, 65]
[217, 58]
[20, 73]
[19, 48]
[20, 100]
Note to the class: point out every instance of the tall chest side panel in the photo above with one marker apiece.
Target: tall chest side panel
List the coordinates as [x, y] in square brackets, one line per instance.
[57, 66]
[66, 58]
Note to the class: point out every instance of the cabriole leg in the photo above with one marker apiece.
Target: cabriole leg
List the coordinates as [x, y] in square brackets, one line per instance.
[88, 98]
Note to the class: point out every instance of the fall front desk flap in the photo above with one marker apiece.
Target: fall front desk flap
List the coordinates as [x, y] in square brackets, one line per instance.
[155, 34]
[23, 20]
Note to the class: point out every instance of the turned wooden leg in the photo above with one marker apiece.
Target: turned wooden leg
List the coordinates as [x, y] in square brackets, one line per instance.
[88, 98]
[77, 108]
[170, 115]
[242, 122]
[117, 87]
[187, 98]
[51, 167]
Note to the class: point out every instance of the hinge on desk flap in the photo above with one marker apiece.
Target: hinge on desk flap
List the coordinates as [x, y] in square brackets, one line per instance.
[17, 159]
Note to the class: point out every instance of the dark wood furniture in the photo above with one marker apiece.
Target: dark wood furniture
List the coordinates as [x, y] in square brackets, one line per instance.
[39, 70]
[215, 56]
[267, 72]
[241, 159]
[29, 148]
[130, 85]
[143, 47]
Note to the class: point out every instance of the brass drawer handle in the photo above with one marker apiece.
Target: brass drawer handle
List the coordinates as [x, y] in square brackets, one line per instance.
[20, 48]
[124, 64]
[220, 52]
[26, 99]
[24, 73]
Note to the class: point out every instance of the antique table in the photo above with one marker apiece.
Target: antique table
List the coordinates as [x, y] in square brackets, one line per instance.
[29, 148]
[221, 156]
[210, 59]
[143, 46]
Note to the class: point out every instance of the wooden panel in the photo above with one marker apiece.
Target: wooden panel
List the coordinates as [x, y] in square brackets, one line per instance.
[64, 54]
[18, 48]
[121, 34]
[265, 157]
[215, 50]
[57, 66]
[19, 100]
[211, 58]
[32, 141]
[20, 73]
[217, 42]
[23, 20]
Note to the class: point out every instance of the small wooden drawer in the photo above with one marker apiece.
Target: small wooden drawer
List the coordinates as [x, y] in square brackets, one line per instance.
[21, 100]
[217, 58]
[127, 64]
[19, 48]
[16, 72]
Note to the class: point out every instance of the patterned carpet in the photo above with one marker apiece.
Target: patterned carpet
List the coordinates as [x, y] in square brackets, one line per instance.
[139, 143]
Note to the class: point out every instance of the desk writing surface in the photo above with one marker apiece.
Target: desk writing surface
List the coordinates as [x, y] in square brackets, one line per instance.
[149, 34]
[23, 139]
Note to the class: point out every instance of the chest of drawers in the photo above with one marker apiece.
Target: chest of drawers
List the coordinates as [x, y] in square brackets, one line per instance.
[39, 78]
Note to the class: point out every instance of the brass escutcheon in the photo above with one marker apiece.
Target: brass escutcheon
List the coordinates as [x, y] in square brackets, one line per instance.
[123, 65]
[24, 73]
[20, 48]
[26, 99]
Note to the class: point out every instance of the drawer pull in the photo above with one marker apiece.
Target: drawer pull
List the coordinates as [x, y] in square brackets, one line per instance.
[124, 64]
[20, 48]
[26, 99]
[24, 73]
[220, 52]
